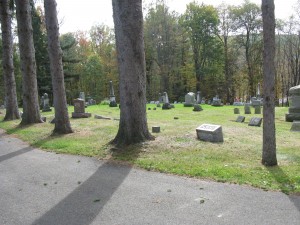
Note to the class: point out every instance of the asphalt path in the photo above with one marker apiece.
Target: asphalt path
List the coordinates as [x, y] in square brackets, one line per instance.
[44, 188]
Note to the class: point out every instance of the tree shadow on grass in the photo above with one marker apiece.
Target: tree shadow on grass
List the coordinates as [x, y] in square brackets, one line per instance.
[285, 183]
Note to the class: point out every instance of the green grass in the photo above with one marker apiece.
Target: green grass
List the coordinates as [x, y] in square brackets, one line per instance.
[176, 149]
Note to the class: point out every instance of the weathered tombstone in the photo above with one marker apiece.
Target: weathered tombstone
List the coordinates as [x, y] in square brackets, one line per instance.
[112, 97]
[155, 129]
[203, 102]
[42, 102]
[160, 98]
[247, 108]
[198, 97]
[240, 119]
[209, 102]
[166, 103]
[210, 132]
[82, 96]
[257, 109]
[236, 111]
[79, 109]
[238, 103]
[295, 126]
[46, 107]
[294, 101]
[101, 117]
[190, 100]
[255, 121]
[197, 108]
[216, 101]
[257, 101]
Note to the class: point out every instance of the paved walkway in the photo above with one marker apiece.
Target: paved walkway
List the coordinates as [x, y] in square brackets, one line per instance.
[52, 189]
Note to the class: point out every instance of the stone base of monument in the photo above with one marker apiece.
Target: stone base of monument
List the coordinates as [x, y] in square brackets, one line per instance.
[292, 116]
[166, 106]
[296, 126]
[210, 132]
[197, 108]
[217, 103]
[113, 104]
[81, 115]
[47, 110]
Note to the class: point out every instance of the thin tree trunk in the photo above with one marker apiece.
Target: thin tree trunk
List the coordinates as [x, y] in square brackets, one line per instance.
[128, 20]
[31, 109]
[269, 134]
[62, 122]
[12, 110]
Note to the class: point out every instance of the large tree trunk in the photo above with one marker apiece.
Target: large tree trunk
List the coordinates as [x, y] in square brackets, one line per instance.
[12, 111]
[128, 20]
[269, 135]
[62, 122]
[31, 109]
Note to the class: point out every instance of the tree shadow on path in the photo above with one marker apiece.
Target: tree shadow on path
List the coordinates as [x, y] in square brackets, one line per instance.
[83, 205]
[285, 184]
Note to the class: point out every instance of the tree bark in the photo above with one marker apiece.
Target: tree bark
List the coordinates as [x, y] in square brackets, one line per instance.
[62, 122]
[128, 20]
[269, 134]
[31, 109]
[12, 110]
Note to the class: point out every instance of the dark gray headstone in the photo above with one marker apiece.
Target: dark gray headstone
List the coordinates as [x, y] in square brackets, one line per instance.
[210, 132]
[240, 119]
[79, 109]
[46, 106]
[236, 111]
[294, 102]
[257, 109]
[155, 129]
[247, 108]
[197, 108]
[255, 121]
[295, 126]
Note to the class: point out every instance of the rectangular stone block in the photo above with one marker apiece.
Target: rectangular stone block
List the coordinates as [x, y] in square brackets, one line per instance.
[240, 119]
[255, 121]
[210, 132]
[81, 115]
[296, 126]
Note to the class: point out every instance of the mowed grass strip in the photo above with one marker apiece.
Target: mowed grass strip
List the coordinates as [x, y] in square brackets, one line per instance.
[176, 149]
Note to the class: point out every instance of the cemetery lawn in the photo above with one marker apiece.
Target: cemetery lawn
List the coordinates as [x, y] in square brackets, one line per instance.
[176, 149]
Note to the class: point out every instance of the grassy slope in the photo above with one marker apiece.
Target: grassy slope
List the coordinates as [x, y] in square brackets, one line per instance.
[176, 149]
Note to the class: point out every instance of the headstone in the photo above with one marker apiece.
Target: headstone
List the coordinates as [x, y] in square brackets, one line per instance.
[198, 97]
[46, 107]
[155, 129]
[247, 108]
[190, 100]
[255, 121]
[202, 102]
[82, 96]
[236, 111]
[209, 102]
[294, 101]
[112, 97]
[216, 101]
[240, 119]
[165, 98]
[197, 108]
[257, 109]
[238, 103]
[166, 103]
[295, 126]
[42, 102]
[101, 117]
[210, 132]
[79, 109]
[160, 98]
